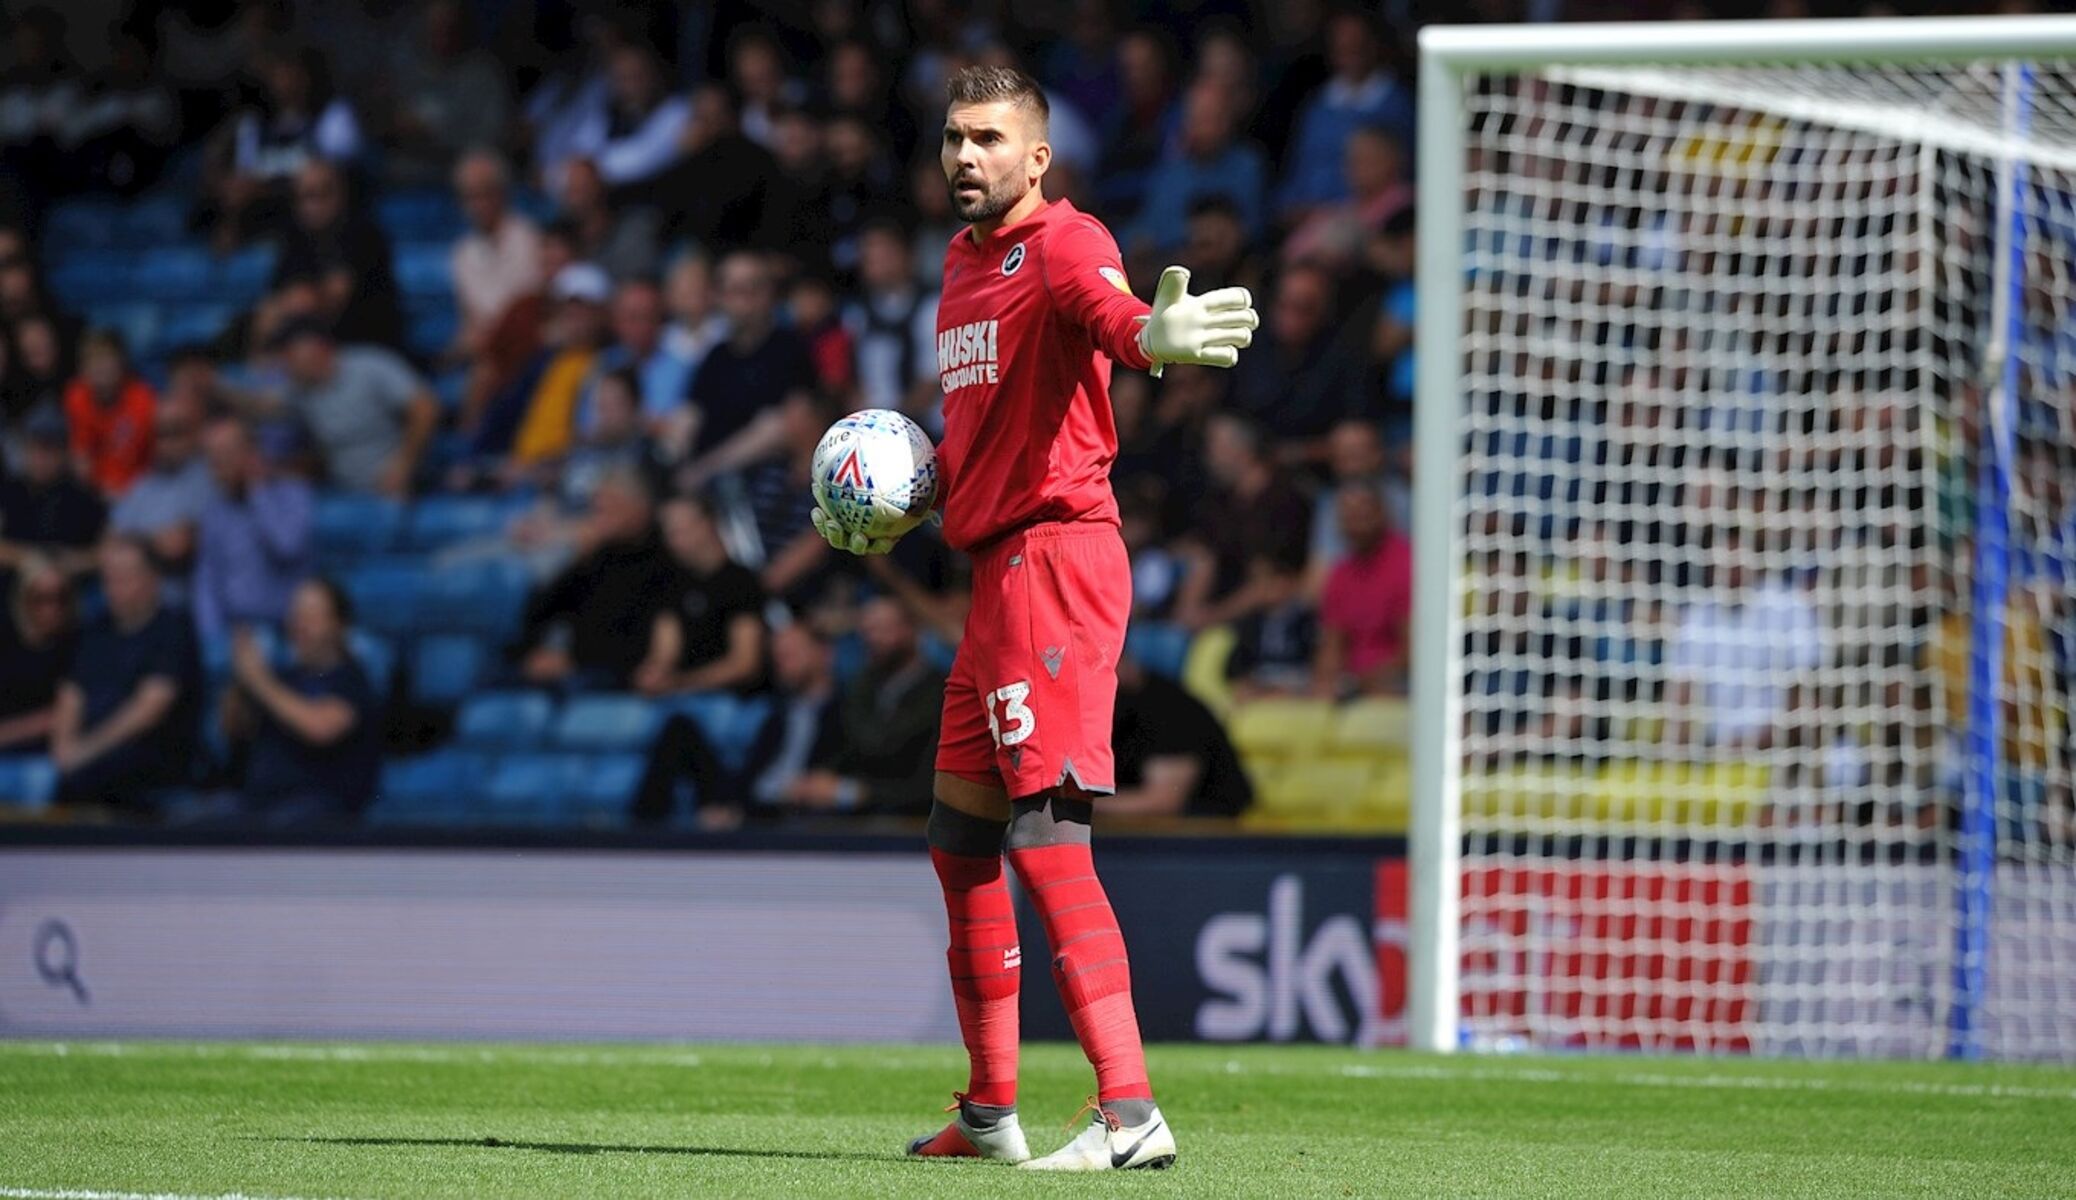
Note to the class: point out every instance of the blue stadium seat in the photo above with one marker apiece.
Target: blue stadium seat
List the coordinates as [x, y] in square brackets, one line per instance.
[430, 325]
[420, 215]
[604, 791]
[423, 269]
[848, 657]
[606, 722]
[385, 595]
[184, 323]
[439, 521]
[745, 723]
[377, 658]
[241, 277]
[938, 652]
[530, 789]
[27, 782]
[484, 596]
[445, 668]
[170, 274]
[1158, 646]
[82, 224]
[505, 719]
[351, 527]
[87, 277]
[156, 221]
[137, 323]
[436, 788]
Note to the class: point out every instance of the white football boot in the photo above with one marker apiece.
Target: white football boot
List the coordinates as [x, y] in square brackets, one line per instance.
[1108, 1144]
[1002, 1141]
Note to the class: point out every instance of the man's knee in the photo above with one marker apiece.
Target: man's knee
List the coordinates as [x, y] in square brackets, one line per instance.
[962, 833]
[1049, 819]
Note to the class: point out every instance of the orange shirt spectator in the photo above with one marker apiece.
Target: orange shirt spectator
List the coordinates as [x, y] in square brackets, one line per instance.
[109, 413]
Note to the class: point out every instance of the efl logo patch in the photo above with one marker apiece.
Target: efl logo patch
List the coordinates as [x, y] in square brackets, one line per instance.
[1014, 259]
[1116, 278]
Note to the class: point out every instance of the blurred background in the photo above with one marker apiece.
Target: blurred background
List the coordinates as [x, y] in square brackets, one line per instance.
[408, 409]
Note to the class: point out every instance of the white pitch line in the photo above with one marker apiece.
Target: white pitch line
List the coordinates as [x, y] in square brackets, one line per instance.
[79, 1194]
[1727, 1083]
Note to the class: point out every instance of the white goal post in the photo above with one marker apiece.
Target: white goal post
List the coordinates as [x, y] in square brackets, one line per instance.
[1745, 537]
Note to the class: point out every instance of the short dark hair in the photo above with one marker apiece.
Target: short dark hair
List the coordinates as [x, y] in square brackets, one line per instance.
[336, 594]
[986, 85]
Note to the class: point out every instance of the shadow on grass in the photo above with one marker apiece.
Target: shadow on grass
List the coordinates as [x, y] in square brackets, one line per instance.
[496, 1143]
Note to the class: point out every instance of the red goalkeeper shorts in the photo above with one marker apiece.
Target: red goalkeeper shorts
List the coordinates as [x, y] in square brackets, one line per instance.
[1032, 691]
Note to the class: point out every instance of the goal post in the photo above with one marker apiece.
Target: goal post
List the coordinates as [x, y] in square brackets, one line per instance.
[1745, 538]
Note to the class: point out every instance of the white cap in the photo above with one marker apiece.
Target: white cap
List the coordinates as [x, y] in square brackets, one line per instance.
[582, 281]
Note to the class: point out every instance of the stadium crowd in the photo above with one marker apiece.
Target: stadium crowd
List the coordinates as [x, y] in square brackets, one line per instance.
[605, 273]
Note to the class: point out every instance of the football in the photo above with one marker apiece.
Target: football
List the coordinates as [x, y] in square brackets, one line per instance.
[875, 472]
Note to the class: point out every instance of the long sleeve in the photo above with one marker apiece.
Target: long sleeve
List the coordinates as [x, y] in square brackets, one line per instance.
[281, 515]
[1085, 275]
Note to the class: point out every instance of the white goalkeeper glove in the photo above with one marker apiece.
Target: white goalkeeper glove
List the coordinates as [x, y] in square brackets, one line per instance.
[1208, 330]
[843, 539]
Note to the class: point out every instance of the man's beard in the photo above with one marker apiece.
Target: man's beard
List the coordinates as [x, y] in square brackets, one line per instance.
[992, 203]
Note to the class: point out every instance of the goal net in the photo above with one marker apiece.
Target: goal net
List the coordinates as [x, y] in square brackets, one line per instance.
[1761, 516]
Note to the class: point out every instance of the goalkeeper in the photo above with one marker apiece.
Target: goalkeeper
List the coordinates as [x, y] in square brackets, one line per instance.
[1035, 308]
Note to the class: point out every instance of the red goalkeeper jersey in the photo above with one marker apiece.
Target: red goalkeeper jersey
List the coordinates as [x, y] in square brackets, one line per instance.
[1028, 324]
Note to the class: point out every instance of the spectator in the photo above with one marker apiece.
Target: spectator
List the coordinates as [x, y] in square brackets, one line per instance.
[346, 255]
[534, 420]
[1252, 510]
[640, 346]
[570, 100]
[109, 409]
[711, 638]
[1333, 234]
[594, 623]
[758, 67]
[44, 508]
[514, 339]
[734, 392]
[935, 223]
[163, 508]
[370, 414]
[497, 263]
[1215, 247]
[1367, 604]
[37, 638]
[719, 193]
[856, 186]
[696, 325]
[803, 731]
[637, 134]
[39, 377]
[39, 89]
[125, 718]
[119, 135]
[1740, 659]
[1206, 159]
[254, 544]
[1275, 643]
[1360, 92]
[314, 724]
[618, 438]
[1173, 757]
[447, 94]
[811, 313]
[622, 240]
[1295, 376]
[1355, 454]
[893, 321]
[888, 713]
[1135, 131]
[297, 119]
[858, 87]
[1389, 257]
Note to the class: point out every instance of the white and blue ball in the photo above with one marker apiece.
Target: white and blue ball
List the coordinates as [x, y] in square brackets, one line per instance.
[875, 472]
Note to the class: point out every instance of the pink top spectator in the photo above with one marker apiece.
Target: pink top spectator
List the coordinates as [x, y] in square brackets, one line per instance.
[1369, 597]
[493, 270]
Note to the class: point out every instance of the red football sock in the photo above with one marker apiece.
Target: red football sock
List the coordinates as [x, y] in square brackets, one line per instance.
[985, 970]
[1088, 963]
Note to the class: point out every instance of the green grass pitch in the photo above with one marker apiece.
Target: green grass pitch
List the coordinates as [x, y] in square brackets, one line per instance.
[348, 1120]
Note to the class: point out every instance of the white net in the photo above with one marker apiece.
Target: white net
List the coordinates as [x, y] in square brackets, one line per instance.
[1771, 386]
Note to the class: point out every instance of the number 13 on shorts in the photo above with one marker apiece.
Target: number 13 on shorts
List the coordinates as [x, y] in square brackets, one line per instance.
[1021, 721]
